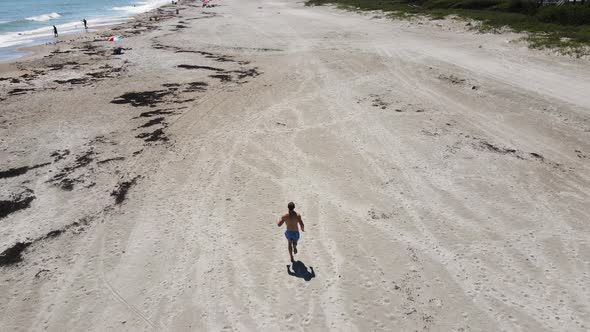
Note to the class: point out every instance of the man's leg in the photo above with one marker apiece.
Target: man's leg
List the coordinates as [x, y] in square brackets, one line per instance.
[291, 250]
[295, 247]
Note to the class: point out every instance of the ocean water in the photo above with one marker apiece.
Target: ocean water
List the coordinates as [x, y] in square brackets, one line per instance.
[29, 22]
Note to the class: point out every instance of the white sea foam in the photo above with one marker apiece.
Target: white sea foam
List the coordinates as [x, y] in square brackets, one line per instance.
[142, 7]
[44, 17]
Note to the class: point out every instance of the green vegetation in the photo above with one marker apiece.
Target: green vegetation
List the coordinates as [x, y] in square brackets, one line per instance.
[565, 27]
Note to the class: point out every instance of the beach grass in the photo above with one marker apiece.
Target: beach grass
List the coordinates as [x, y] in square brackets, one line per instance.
[564, 28]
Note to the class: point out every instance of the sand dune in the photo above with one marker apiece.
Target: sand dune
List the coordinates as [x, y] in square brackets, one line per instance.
[443, 177]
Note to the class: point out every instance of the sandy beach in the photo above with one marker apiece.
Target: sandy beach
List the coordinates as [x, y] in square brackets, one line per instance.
[443, 176]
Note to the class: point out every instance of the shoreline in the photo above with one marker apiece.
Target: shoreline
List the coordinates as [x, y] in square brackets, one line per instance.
[27, 48]
[32, 52]
[35, 52]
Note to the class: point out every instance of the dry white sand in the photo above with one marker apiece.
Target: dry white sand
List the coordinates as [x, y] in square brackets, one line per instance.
[443, 177]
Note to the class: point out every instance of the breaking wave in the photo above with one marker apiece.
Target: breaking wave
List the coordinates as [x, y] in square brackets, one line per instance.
[44, 17]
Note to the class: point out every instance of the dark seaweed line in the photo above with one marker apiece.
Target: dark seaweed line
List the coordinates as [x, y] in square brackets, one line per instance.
[200, 67]
[13, 254]
[19, 202]
[120, 192]
[19, 170]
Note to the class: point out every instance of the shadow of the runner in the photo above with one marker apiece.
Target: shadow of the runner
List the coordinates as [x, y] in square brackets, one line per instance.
[300, 271]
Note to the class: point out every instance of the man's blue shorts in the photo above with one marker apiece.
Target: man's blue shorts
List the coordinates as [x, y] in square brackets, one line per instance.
[292, 235]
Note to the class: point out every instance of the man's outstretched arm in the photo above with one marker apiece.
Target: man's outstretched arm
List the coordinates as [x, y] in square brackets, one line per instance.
[300, 221]
[281, 222]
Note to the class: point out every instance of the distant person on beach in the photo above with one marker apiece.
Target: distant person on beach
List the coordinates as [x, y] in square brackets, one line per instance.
[55, 31]
[293, 220]
[85, 24]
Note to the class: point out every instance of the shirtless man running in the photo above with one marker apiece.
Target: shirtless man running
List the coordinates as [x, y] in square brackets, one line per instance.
[292, 219]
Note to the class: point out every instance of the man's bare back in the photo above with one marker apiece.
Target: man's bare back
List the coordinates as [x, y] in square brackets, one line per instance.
[293, 221]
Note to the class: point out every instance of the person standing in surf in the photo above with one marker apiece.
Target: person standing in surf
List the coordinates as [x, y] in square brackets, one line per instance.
[85, 24]
[55, 31]
[293, 220]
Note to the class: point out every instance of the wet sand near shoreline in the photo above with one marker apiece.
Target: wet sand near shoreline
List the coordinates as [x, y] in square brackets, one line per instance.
[443, 176]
